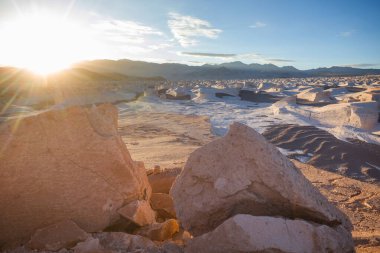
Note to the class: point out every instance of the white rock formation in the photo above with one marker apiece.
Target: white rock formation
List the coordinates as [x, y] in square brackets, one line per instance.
[361, 115]
[315, 95]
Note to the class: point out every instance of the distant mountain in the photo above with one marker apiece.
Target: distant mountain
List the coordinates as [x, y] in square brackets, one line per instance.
[14, 81]
[10, 75]
[226, 71]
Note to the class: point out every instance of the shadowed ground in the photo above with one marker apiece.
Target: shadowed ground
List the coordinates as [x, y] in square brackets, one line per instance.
[354, 159]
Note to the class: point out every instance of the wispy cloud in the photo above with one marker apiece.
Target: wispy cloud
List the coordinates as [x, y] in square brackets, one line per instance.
[246, 57]
[347, 33]
[362, 65]
[125, 31]
[186, 29]
[128, 38]
[280, 60]
[258, 24]
[214, 55]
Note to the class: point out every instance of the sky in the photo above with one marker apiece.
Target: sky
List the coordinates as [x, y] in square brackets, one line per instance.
[305, 34]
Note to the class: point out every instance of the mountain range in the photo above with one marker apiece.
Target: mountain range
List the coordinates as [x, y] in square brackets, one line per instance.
[225, 71]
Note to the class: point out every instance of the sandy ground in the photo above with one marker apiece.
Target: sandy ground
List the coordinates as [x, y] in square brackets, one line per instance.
[353, 158]
[167, 140]
[359, 200]
[163, 139]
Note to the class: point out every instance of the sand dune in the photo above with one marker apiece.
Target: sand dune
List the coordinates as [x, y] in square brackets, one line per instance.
[353, 159]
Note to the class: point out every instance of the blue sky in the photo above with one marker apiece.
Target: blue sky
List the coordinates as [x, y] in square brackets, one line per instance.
[305, 34]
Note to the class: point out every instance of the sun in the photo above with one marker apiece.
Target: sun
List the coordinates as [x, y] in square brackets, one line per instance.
[43, 42]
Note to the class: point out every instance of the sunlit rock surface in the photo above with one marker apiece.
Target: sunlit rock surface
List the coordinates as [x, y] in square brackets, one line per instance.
[65, 164]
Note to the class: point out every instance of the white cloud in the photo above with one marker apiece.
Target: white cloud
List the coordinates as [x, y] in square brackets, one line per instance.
[186, 29]
[258, 24]
[126, 38]
[125, 31]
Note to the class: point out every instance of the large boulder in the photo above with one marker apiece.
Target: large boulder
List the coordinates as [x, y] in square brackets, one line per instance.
[246, 233]
[242, 173]
[361, 114]
[314, 95]
[65, 164]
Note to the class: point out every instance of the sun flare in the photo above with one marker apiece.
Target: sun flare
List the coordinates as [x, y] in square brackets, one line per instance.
[43, 43]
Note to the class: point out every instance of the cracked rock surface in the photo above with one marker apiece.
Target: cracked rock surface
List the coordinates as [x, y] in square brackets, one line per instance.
[242, 173]
[246, 233]
[65, 164]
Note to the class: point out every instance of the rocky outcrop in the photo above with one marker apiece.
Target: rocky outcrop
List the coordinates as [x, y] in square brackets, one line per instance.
[361, 115]
[178, 93]
[246, 233]
[314, 95]
[357, 114]
[65, 164]
[242, 173]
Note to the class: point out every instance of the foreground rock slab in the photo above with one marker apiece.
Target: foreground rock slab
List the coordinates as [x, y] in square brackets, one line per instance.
[246, 233]
[65, 164]
[242, 173]
[65, 234]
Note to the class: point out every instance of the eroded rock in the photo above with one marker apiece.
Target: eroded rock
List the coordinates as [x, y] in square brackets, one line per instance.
[162, 182]
[361, 115]
[123, 242]
[65, 164]
[160, 231]
[246, 233]
[65, 234]
[242, 173]
[139, 212]
[163, 204]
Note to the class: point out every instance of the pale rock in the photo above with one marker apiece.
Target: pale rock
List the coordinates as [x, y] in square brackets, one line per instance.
[264, 86]
[162, 203]
[139, 212]
[315, 95]
[65, 234]
[65, 164]
[163, 181]
[361, 114]
[242, 173]
[280, 107]
[246, 233]
[171, 247]
[160, 231]
[123, 242]
[91, 245]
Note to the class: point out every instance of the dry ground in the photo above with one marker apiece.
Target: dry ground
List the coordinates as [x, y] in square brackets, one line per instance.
[167, 140]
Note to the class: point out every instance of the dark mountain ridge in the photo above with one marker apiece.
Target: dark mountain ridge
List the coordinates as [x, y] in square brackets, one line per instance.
[226, 71]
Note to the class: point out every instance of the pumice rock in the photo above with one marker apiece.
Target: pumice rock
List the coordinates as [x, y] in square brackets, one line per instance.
[246, 233]
[139, 212]
[242, 173]
[65, 234]
[65, 164]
